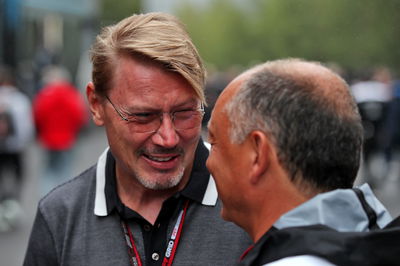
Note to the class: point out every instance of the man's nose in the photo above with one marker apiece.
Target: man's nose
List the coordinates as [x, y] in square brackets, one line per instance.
[166, 135]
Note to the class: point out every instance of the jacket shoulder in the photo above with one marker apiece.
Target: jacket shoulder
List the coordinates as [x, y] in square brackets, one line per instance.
[341, 248]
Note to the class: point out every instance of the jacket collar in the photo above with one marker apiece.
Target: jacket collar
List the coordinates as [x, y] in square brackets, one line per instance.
[339, 209]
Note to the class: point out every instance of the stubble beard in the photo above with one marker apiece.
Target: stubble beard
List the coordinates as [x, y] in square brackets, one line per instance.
[164, 184]
[168, 181]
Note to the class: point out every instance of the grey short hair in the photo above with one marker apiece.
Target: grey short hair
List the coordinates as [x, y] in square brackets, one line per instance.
[155, 36]
[309, 115]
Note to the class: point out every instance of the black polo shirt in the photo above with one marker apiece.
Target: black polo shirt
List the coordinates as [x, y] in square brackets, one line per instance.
[155, 236]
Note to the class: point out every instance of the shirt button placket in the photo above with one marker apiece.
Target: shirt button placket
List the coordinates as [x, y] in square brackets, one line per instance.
[147, 228]
[155, 256]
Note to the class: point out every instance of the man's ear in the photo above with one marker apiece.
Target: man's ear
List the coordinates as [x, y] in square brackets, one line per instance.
[263, 152]
[95, 106]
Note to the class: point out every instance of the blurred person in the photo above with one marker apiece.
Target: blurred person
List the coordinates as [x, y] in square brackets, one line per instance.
[216, 82]
[60, 114]
[298, 135]
[149, 200]
[373, 95]
[16, 132]
[390, 137]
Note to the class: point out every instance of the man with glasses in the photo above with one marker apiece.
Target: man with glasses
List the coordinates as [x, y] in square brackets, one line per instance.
[150, 199]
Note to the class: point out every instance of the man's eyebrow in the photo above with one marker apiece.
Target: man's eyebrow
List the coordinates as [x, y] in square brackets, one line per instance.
[210, 134]
[208, 125]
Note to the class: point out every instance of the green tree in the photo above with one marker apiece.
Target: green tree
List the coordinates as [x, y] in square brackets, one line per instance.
[356, 34]
[218, 35]
[113, 11]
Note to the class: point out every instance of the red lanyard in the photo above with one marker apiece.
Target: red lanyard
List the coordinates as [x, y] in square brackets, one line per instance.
[134, 257]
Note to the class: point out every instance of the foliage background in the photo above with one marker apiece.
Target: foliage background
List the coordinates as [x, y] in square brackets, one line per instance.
[355, 34]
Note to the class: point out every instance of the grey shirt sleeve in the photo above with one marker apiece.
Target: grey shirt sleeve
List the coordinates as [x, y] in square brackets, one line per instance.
[41, 247]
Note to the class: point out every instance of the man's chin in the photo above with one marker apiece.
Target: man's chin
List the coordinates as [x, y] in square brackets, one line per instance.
[162, 182]
[160, 186]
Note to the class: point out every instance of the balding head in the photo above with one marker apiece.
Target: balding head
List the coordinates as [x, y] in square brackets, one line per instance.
[317, 79]
[310, 115]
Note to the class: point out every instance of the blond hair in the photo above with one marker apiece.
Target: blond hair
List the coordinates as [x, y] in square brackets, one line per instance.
[154, 36]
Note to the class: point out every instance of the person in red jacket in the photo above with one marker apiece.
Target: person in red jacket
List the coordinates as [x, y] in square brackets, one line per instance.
[59, 113]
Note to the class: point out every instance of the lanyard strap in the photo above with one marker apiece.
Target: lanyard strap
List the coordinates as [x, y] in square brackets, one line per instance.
[134, 257]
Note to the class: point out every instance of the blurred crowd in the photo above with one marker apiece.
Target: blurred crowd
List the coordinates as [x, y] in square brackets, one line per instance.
[54, 116]
[377, 94]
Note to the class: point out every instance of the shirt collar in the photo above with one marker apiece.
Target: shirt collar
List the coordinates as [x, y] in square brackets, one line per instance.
[200, 188]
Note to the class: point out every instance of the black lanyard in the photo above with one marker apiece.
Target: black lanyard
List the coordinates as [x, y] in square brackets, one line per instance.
[134, 257]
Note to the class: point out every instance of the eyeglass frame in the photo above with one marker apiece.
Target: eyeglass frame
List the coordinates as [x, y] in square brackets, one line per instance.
[161, 115]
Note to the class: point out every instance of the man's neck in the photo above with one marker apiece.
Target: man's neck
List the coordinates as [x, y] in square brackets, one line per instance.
[266, 214]
[146, 202]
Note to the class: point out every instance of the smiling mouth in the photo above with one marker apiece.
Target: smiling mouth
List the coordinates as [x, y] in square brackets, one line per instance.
[160, 159]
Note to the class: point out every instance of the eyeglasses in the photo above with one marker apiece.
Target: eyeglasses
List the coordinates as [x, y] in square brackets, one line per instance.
[148, 122]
